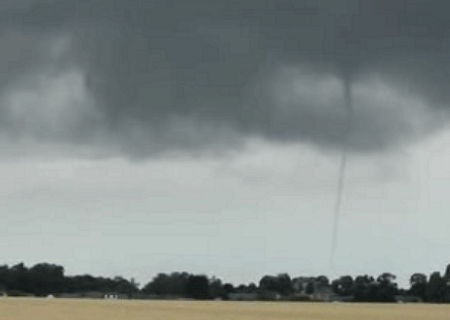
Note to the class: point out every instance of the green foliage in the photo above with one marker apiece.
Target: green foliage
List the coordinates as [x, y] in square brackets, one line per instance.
[435, 290]
[17, 293]
[281, 284]
[309, 288]
[418, 282]
[197, 287]
[343, 286]
[44, 279]
[297, 298]
[174, 284]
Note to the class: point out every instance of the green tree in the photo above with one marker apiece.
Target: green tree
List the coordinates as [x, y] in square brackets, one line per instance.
[364, 288]
[343, 286]
[227, 288]
[198, 287]
[322, 281]
[418, 282]
[447, 272]
[268, 284]
[284, 284]
[5, 277]
[309, 287]
[435, 288]
[20, 278]
[46, 279]
[386, 288]
[216, 288]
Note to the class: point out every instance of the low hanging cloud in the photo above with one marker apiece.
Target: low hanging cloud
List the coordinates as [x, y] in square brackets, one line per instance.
[143, 78]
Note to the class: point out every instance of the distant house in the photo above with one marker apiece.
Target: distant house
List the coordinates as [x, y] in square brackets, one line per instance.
[115, 295]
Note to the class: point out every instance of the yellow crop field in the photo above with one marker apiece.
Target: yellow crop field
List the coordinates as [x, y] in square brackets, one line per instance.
[65, 309]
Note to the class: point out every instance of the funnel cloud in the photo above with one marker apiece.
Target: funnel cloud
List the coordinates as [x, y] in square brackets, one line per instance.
[340, 186]
[145, 78]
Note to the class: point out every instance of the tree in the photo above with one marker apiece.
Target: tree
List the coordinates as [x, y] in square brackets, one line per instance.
[386, 289]
[252, 288]
[364, 288]
[242, 288]
[122, 285]
[158, 285]
[163, 284]
[198, 287]
[309, 287]
[447, 272]
[284, 284]
[343, 286]
[5, 277]
[216, 289]
[20, 278]
[46, 279]
[418, 282]
[227, 288]
[386, 278]
[268, 284]
[281, 284]
[435, 288]
[322, 281]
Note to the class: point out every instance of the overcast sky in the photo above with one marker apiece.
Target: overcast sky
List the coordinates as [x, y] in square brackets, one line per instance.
[146, 136]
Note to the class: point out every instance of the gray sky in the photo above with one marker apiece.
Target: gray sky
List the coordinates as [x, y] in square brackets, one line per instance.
[153, 136]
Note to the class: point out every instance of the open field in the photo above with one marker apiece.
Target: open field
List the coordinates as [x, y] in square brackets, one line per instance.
[65, 309]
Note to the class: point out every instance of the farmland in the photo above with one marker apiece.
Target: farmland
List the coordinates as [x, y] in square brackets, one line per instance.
[49, 309]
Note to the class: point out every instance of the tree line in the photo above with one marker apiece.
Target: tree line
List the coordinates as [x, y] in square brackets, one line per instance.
[45, 279]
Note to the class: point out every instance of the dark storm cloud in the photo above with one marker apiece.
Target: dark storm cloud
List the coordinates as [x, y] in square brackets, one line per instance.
[147, 77]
